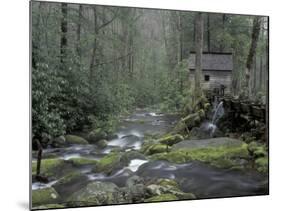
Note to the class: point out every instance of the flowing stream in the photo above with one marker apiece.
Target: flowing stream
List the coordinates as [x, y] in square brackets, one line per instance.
[201, 179]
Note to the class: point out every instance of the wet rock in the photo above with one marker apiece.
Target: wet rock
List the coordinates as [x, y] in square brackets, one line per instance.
[98, 193]
[53, 168]
[69, 183]
[109, 163]
[82, 161]
[136, 188]
[44, 196]
[102, 143]
[96, 135]
[261, 164]
[162, 197]
[58, 142]
[73, 139]
[205, 143]
[171, 139]
[156, 148]
[131, 155]
[167, 186]
[219, 152]
[257, 149]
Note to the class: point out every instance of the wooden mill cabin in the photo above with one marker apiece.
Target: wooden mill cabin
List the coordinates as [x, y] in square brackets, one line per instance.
[216, 70]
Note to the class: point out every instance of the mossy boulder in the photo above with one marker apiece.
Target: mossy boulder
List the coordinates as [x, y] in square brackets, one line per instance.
[82, 161]
[167, 186]
[98, 193]
[261, 164]
[44, 196]
[73, 139]
[58, 142]
[96, 135]
[162, 197]
[70, 183]
[102, 143]
[51, 167]
[126, 157]
[223, 153]
[171, 139]
[109, 163]
[257, 149]
[156, 148]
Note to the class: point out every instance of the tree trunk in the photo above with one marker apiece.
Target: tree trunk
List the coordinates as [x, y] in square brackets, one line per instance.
[208, 33]
[78, 41]
[94, 48]
[252, 52]
[198, 50]
[63, 42]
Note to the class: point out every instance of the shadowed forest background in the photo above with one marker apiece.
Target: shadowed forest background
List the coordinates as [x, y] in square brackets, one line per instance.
[133, 105]
[91, 63]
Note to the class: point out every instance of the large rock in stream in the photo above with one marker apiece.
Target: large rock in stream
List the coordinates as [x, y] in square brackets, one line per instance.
[44, 196]
[206, 143]
[220, 152]
[98, 193]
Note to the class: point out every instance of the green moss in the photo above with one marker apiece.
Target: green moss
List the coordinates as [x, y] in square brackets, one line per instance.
[69, 178]
[102, 143]
[72, 139]
[192, 120]
[223, 157]
[156, 148]
[49, 166]
[108, 162]
[201, 113]
[187, 196]
[44, 196]
[262, 164]
[257, 150]
[171, 139]
[82, 161]
[162, 197]
[168, 182]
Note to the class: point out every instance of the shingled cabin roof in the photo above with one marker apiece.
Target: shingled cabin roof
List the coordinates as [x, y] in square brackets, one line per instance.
[213, 61]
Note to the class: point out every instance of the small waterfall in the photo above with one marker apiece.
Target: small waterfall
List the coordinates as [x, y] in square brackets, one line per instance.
[219, 112]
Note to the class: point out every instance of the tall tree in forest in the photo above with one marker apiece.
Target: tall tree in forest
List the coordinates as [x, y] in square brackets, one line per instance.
[78, 41]
[198, 51]
[208, 33]
[252, 52]
[63, 42]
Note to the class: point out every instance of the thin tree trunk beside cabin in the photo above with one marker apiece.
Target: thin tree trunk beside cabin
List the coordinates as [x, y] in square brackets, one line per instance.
[252, 52]
[198, 50]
